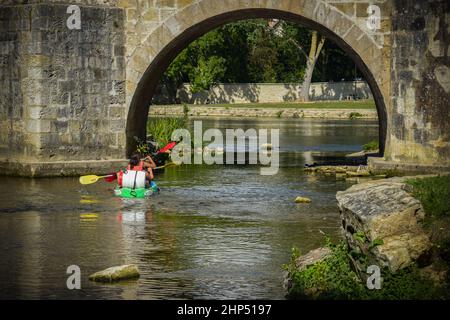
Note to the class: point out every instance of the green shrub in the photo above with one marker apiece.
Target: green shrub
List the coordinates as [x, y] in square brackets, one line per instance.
[185, 110]
[372, 145]
[141, 146]
[161, 128]
[407, 284]
[331, 278]
[433, 193]
[354, 115]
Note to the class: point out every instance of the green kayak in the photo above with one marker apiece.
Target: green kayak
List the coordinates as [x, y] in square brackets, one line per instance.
[136, 193]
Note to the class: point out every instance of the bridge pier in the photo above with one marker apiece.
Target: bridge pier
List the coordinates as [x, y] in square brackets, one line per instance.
[74, 98]
[62, 96]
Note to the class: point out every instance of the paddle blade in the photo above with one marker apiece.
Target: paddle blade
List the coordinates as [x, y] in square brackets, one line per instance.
[89, 179]
[169, 146]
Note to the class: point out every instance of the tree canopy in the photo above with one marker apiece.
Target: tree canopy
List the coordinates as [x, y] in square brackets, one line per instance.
[255, 51]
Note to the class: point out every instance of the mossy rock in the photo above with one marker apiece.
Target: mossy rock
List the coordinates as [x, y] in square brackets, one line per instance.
[113, 274]
[302, 200]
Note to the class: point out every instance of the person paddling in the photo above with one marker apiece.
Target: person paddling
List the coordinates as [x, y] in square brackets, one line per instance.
[149, 163]
[146, 165]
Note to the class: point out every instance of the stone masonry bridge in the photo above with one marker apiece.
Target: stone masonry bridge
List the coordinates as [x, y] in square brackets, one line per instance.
[72, 99]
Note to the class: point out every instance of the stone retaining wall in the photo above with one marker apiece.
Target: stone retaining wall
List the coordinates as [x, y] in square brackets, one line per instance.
[269, 92]
[202, 111]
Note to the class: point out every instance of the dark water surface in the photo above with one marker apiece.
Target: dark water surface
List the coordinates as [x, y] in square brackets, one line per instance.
[214, 232]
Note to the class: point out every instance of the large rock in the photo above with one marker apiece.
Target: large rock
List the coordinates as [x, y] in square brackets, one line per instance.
[381, 221]
[125, 272]
[311, 258]
[305, 261]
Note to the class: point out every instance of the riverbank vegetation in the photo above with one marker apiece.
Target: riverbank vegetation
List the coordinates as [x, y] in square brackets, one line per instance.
[161, 129]
[355, 115]
[433, 193]
[334, 278]
[371, 146]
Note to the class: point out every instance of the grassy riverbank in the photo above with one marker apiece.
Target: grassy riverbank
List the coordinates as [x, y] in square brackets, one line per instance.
[360, 104]
[433, 193]
[322, 109]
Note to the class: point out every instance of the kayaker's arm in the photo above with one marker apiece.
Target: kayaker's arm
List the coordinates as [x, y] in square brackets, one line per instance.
[150, 162]
[149, 174]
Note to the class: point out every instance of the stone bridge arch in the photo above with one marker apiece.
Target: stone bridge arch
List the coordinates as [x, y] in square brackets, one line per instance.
[71, 100]
[147, 61]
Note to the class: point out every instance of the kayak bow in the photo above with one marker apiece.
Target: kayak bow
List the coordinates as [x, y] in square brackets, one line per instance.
[138, 193]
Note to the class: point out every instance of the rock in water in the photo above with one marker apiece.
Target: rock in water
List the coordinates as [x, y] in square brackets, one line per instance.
[382, 221]
[125, 272]
[302, 200]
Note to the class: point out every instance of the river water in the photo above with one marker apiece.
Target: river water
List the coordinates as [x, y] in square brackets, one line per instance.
[214, 232]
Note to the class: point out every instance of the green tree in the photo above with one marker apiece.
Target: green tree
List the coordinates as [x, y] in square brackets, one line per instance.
[299, 39]
[263, 56]
[258, 50]
[207, 73]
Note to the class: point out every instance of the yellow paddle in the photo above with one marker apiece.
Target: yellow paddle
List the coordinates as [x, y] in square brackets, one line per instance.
[90, 179]
[170, 164]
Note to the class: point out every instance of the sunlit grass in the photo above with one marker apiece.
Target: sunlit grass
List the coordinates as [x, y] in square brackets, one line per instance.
[433, 193]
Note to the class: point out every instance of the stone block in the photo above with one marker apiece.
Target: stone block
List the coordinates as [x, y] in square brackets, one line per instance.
[151, 15]
[184, 3]
[119, 50]
[60, 98]
[127, 3]
[175, 25]
[42, 112]
[116, 112]
[195, 12]
[60, 126]
[38, 126]
[165, 3]
[384, 212]
[117, 126]
[346, 8]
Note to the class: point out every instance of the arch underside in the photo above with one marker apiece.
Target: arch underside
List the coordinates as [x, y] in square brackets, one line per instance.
[140, 103]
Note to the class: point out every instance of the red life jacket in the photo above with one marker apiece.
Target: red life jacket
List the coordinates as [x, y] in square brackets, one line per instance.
[139, 167]
[120, 178]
